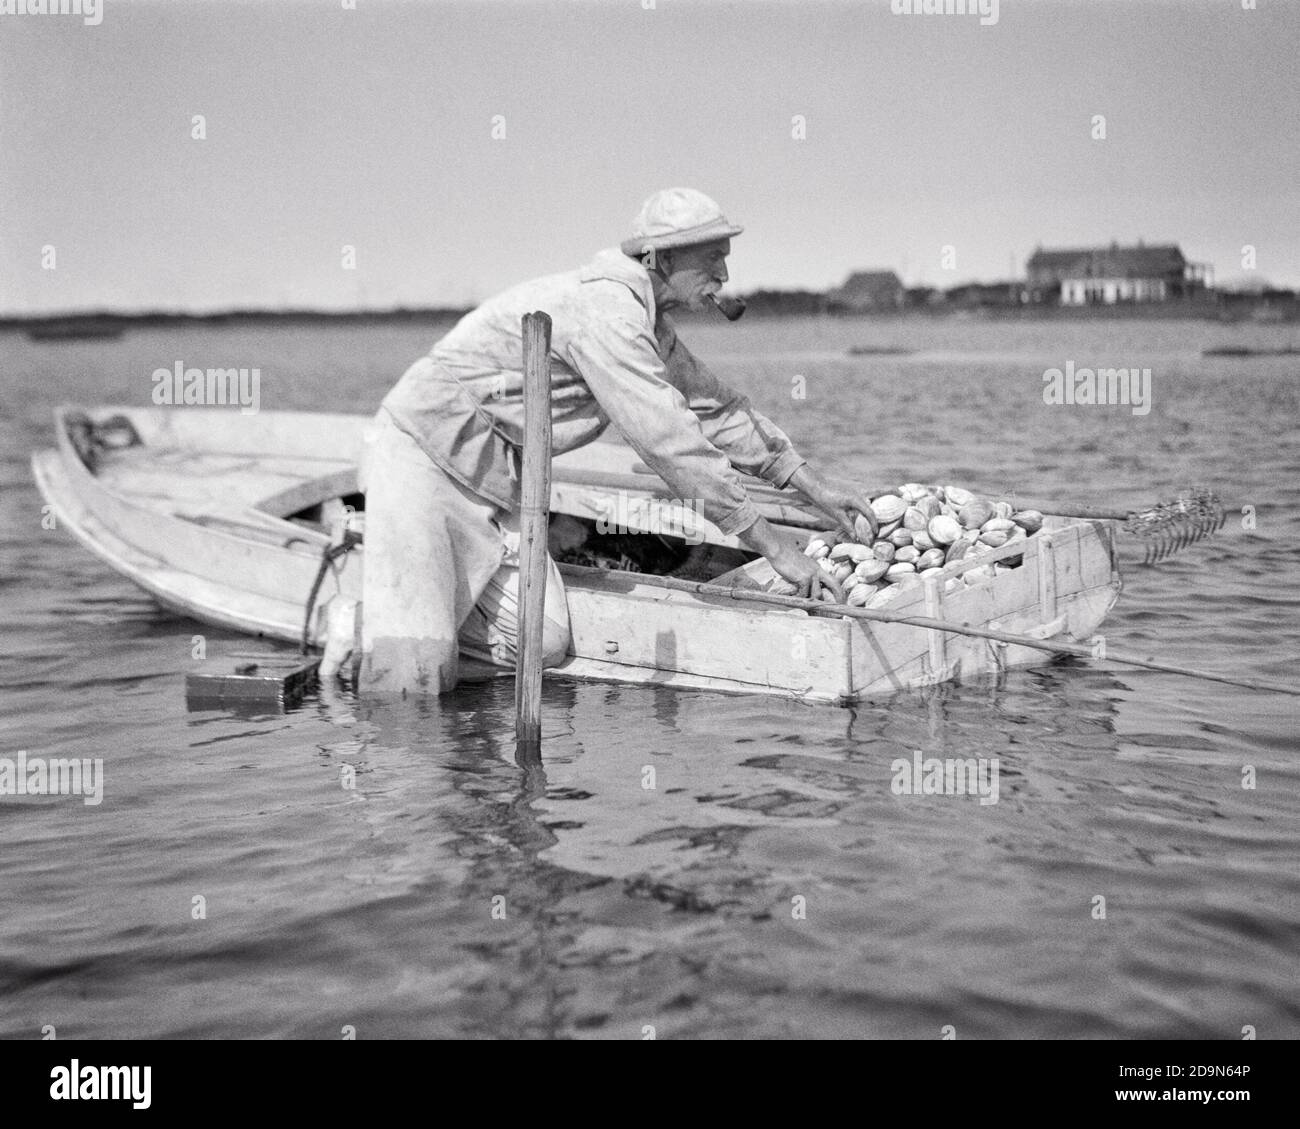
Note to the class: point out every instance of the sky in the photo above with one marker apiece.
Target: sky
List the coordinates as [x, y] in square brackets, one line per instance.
[372, 127]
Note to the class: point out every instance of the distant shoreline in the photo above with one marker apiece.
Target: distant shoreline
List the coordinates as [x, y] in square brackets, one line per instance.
[104, 323]
[88, 324]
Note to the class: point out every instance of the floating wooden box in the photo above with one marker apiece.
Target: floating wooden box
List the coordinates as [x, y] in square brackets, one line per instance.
[275, 681]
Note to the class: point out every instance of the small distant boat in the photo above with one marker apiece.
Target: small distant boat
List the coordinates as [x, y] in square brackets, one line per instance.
[1245, 351]
[227, 517]
[878, 351]
[75, 329]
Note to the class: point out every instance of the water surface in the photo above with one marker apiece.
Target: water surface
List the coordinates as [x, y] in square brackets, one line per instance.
[771, 883]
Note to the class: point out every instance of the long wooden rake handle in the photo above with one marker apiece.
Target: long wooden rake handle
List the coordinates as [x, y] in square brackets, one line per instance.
[821, 607]
[786, 504]
[1165, 528]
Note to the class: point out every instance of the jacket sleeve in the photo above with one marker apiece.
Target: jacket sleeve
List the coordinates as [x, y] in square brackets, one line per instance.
[619, 361]
[750, 440]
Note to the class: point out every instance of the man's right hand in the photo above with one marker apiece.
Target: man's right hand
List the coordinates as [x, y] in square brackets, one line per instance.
[808, 577]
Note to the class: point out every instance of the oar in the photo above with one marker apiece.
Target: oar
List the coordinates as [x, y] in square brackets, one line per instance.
[1167, 527]
[821, 607]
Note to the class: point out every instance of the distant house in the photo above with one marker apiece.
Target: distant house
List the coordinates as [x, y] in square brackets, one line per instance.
[1108, 275]
[867, 291]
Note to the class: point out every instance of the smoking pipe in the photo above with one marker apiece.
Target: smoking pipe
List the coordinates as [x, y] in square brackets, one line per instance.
[732, 308]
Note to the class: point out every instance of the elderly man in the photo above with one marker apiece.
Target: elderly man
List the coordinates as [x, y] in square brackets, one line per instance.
[442, 462]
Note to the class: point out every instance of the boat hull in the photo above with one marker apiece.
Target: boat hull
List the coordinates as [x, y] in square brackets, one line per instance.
[196, 514]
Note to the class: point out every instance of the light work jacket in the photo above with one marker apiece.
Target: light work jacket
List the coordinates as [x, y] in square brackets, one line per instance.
[613, 359]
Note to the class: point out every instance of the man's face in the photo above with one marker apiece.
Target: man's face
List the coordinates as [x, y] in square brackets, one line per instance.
[693, 273]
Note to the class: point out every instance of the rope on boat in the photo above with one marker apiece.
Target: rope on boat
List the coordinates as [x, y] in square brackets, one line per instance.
[351, 538]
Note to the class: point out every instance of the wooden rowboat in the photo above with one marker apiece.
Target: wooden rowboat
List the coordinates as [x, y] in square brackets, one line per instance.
[225, 517]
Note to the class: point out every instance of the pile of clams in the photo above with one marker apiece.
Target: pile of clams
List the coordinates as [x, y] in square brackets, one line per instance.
[917, 530]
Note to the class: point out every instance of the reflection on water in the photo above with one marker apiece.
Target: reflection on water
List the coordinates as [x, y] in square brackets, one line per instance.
[701, 864]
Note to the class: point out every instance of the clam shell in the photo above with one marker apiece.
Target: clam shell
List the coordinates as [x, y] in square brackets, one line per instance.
[907, 553]
[956, 551]
[930, 506]
[888, 527]
[915, 518]
[995, 538]
[813, 545]
[1031, 521]
[901, 537]
[865, 526]
[958, 497]
[901, 568]
[820, 552]
[859, 596]
[912, 491]
[975, 514]
[977, 575]
[872, 570]
[922, 540]
[908, 580]
[842, 551]
[998, 524]
[883, 596]
[883, 550]
[888, 507]
[842, 571]
[1002, 509]
[944, 530]
[931, 558]
[930, 572]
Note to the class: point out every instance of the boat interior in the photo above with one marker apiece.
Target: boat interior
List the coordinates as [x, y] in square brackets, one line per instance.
[211, 484]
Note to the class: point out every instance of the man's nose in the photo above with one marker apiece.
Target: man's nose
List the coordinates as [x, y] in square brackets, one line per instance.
[722, 273]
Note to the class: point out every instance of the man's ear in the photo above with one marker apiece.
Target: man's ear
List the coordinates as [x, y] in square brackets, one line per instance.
[664, 262]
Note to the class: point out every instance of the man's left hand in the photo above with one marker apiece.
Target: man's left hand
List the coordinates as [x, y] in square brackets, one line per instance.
[840, 503]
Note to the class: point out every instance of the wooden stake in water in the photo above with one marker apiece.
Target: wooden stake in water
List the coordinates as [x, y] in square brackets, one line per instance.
[536, 503]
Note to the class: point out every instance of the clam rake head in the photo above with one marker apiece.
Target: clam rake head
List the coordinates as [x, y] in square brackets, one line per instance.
[1169, 527]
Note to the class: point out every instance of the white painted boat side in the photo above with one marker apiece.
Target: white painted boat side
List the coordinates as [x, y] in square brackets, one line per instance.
[240, 566]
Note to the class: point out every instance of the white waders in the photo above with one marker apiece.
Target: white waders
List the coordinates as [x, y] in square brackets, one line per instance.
[441, 573]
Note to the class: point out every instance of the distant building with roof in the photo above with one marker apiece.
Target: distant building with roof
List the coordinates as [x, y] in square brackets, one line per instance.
[868, 291]
[1110, 275]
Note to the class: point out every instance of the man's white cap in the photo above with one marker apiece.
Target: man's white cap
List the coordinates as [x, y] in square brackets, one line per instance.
[677, 217]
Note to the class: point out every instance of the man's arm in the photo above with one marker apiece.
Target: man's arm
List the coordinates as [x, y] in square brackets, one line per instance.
[751, 441]
[620, 363]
